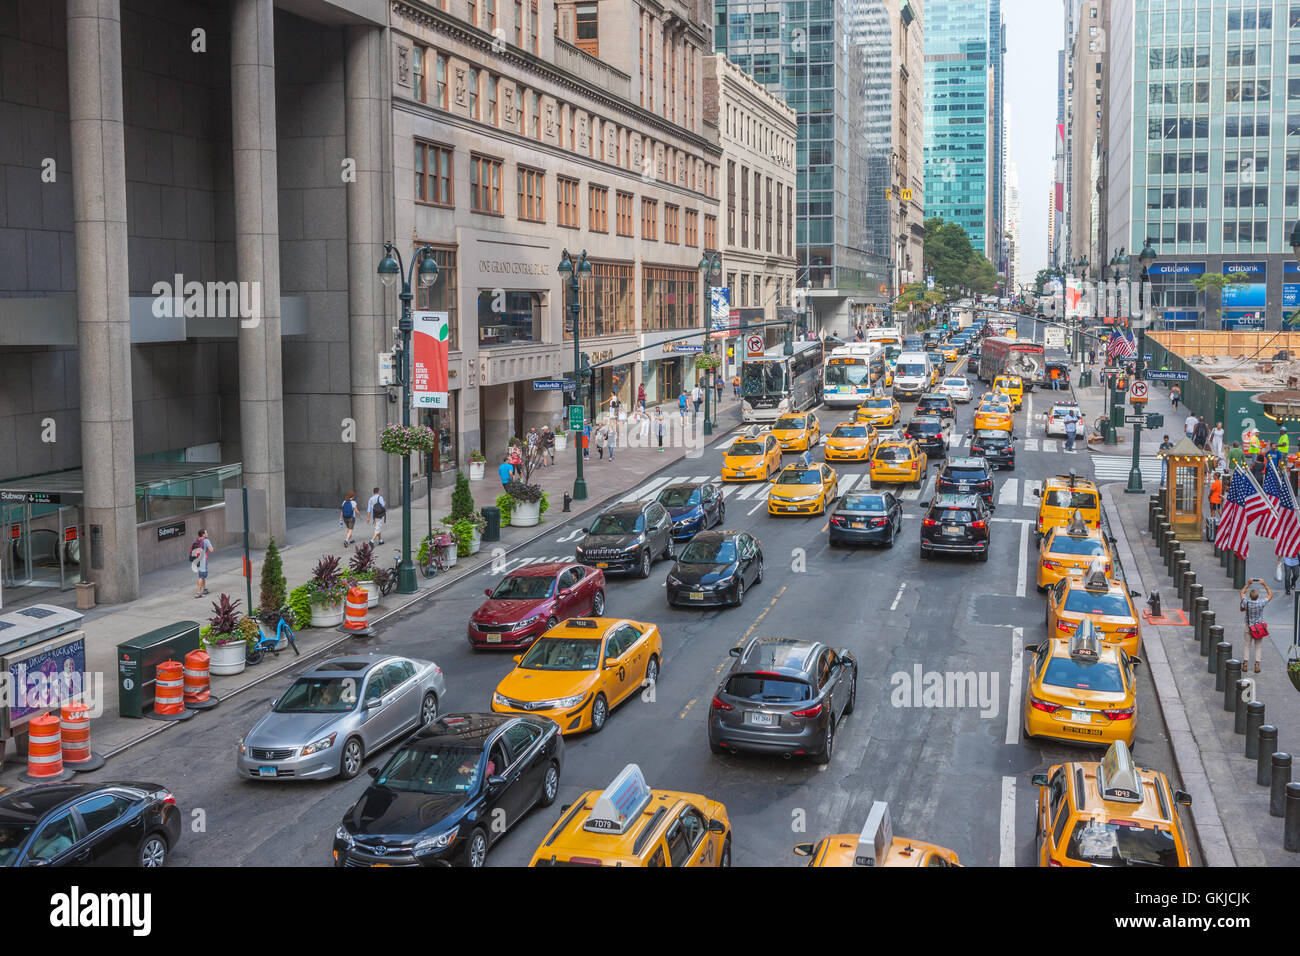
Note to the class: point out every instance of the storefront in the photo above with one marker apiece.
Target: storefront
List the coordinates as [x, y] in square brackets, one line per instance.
[443, 421]
[1244, 303]
[1291, 296]
[1173, 294]
[616, 380]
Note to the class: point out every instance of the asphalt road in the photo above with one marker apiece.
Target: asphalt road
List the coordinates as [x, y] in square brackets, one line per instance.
[952, 775]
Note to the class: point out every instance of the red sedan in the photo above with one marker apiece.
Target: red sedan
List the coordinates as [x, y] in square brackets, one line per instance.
[534, 599]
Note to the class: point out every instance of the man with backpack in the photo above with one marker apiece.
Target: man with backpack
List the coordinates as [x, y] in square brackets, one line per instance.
[348, 516]
[199, 551]
[376, 512]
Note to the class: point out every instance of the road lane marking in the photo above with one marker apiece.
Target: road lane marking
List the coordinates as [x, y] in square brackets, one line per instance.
[762, 503]
[846, 483]
[741, 643]
[1030, 486]
[646, 490]
[1007, 494]
[1007, 827]
[898, 597]
[1022, 574]
[757, 488]
[1013, 693]
[1031, 444]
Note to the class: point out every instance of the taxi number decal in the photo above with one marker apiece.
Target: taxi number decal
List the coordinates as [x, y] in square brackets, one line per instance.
[622, 674]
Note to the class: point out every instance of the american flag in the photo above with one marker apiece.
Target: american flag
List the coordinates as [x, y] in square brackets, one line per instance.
[1282, 526]
[1242, 507]
[1120, 345]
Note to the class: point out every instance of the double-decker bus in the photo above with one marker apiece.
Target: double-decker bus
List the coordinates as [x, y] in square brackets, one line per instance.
[852, 372]
[778, 383]
[1000, 355]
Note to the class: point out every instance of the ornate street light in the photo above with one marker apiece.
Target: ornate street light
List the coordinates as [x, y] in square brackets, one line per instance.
[574, 273]
[1145, 258]
[711, 270]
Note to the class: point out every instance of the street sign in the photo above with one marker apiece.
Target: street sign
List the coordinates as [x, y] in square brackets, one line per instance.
[754, 346]
[682, 347]
[552, 385]
[1154, 375]
[1146, 358]
[1137, 392]
[575, 418]
[1135, 420]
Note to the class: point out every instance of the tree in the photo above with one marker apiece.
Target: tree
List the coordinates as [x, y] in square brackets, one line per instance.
[1217, 282]
[462, 499]
[272, 596]
[954, 261]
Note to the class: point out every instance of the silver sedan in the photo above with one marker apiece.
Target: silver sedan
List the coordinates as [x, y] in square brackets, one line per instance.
[334, 716]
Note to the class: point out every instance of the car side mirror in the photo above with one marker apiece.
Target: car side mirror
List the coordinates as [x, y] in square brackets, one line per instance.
[565, 592]
[1135, 661]
[1039, 780]
[518, 658]
[1133, 593]
[717, 826]
[495, 782]
[1038, 492]
[1035, 648]
[804, 849]
[370, 703]
[609, 665]
[1182, 798]
[735, 651]
[487, 591]
[374, 773]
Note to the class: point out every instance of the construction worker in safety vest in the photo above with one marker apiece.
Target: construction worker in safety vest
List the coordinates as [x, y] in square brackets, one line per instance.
[1284, 442]
[1251, 441]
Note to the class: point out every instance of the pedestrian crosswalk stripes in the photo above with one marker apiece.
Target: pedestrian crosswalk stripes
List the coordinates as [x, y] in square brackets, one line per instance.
[1018, 491]
[1117, 468]
[648, 490]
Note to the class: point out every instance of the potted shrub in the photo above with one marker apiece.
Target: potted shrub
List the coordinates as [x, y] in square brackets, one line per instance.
[477, 465]
[561, 439]
[299, 607]
[362, 570]
[272, 596]
[466, 524]
[225, 642]
[505, 504]
[525, 509]
[327, 587]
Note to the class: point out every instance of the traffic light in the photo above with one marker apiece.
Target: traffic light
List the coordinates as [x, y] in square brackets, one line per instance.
[586, 361]
[1155, 420]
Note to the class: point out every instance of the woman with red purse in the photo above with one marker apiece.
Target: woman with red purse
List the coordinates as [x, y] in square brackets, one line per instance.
[1256, 629]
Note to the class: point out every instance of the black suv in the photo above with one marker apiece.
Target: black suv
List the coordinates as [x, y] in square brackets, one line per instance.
[627, 537]
[996, 446]
[935, 403]
[965, 476]
[929, 435]
[956, 524]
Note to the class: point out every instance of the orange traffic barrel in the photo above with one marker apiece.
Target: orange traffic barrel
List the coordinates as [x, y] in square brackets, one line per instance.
[45, 751]
[169, 689]
[74, 725]
[198, 689]
[354, 613]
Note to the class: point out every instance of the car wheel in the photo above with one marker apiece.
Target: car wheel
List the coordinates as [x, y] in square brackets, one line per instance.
[598, 603]
[651, 672]
[599, 713]
[645, 564]
[889, 542]
[352, 758]
[722, 515]
[925, 555]
[550, 785]
[725, 859]
[984, 555]
[828, 744]
[476, 851]
[740, 592]
[428, 709]
[153, 851]
[758, 575]
[717, 748]
[853, 694]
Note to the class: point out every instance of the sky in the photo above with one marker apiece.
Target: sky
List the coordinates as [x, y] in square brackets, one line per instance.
[1034, 35]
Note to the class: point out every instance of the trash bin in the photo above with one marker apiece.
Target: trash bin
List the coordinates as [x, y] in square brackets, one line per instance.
[492, 515]
[1085, 378]
[138, 658]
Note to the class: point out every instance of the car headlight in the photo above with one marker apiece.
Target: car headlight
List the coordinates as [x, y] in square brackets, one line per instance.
[640, 540]
[499, 700]
[526, 622]
[439, 842]
[563, 703]
[673, 579]
[325, 743]
[342, 834]
[242, 748]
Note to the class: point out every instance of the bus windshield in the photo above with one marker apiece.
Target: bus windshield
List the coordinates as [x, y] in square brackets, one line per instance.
[843, 373]
[760, 379]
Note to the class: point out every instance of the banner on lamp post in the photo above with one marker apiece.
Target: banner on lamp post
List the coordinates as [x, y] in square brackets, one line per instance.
[430, 343]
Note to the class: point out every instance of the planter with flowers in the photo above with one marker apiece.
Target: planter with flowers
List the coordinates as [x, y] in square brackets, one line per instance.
[228, 637]
[361, 570]
[561, 439]
[328, 587]
[464, 523]
[526, 497]
[408, 439]
[477, 465]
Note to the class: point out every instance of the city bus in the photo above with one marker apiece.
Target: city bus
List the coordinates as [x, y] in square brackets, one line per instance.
[1000, 355]
[852, 372]
[778, 383]
[886, 336]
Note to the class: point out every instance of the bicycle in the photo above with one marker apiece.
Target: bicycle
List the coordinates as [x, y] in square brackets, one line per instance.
[267, 642]
[435, 560]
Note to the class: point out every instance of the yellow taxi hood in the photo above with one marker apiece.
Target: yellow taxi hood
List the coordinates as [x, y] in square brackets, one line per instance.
[527, 684]
[795, 490]
[733, 459]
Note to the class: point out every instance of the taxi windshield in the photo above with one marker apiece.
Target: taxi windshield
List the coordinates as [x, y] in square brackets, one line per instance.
[788, 423]
[562, 654]
[1070, 498]
[799, 476]
[524, 588]
[879, 403]
[849, 431]
[746, 448]
[988, 406]
[709, 552]
[679, 497]
[1101, 676]
[425, 770]
[1064, 544]
[1113, 843]
[1094, 602]
[894, 453]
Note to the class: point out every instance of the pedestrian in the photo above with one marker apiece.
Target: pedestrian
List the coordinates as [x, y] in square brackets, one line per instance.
[516, 458]
[681, 404]
[1189, 425]
[735, 385]
[1175, 395]
[1257, 468]
[1071, 430]
[659, 426]
[1216, 441]
[612, 402]
[1283, 442]
[534, 443]
[1165, 446]
[1290, 571]
[586, 441]
[717, 386]
[1256, 629]
[199, 551]
[548, 446]
[697, 396]
[348, 516]
[1201, 433]
[600, 442]
[376, 512]
[1216, 494]
[640, 394]
[1236, 457]
[505, 471]
[611, 440]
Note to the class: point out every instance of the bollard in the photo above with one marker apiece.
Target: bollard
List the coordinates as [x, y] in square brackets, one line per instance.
[1211, 633]
[1194, 592]
[1200, 604]
[1291, 826]
[1280, 765]
[1239, 574]
[1153, 508]
[1224, 555]
[1179, 569]
[1162, 539]
[1187, 577]
[1239, 702]
[1223, 652]
[1231, 674]
[1254, 721]
[1173, 557]
[1267, 747]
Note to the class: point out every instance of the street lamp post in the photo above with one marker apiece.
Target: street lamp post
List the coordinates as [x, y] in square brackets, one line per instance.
[1145, 258]
[711, 270]
[574, 273]
[390, 270]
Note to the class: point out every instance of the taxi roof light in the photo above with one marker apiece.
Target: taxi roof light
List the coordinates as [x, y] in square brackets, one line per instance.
[1117, 775]
[1085, 643]
[620, 803]
[876, 837]
[1095, 578]
[1077, 525]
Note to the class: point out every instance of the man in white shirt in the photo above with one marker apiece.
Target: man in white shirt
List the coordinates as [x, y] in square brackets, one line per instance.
[376, 512]
[1189, 425]
[697, 396]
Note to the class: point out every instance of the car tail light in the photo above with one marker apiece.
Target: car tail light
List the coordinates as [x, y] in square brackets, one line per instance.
[837, 520]
[1065, 627]
[1044, 706]
[584, 861]
[1106, 567]
[1053, 565]
[978, 524]
[1125, 714]
[1040, 521]
[721, 704]
[878, 522]
[807, 712]
[1054, 863]
[928, 522]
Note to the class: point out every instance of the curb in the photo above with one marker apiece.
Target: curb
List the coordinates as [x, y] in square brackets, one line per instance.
[1207, 823]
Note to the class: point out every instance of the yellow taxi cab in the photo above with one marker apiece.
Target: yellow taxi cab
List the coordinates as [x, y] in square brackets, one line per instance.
[898, 460]
[803, 489]
[797, 431]
[1081, 689]
[994, 414]
[751, 458]
[1060, 497]
[1071, 550]
[876, 845]
[879, 410]
[850, 441]
[628, 824]
[951, 353]
[1012, 386]
[580, 670]
[1094, 597]
[1109, 813]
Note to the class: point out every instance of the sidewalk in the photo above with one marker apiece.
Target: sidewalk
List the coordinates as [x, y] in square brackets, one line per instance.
[167, 595]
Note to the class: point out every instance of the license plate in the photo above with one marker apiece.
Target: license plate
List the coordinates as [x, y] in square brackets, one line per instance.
[494, 638]
[1087, 731]
[603, 564]
[856, 524]
[762, 720]
[952, 529]
[266, 771]
[1081, 716]
[697, 595]
[791, 508]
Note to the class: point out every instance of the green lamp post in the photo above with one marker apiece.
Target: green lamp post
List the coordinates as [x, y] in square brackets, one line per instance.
[574, 273]
[711, 270]
[1145, 258]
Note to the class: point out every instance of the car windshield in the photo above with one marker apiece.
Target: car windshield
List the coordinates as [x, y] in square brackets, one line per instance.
[1064, 544]
[1113, 843]
[966, 474]
[935, 357]
[892, 352]
[320, 695]
[863, 503]
[562, 654]
[767, 689]
[1067, 498]
[1060, 411]
[991, 434]
[425, 770]
[524, 588]
[12, 836]
[1101, 676]
[618, 524]
[913, 369]
[799, 476]
[955, 382]
[788, 423]
[894, 453]
[718, 551]
[924, 428]
[849, 431]
[883, 403]
[1095, 602]
[995, 407]
[679, 497]
[746, 448]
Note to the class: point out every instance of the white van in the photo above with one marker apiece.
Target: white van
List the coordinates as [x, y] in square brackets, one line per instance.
[912, 375]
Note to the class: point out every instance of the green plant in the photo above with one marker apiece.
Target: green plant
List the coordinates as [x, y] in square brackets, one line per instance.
[462, 531]
[300, 605]
[546, 503]
[328, 584]
[505, 504]
[426, 545]
[224, 623]
[273, 582]
[705, 362]
[462, 498]
[524, 491]
[362, 565]
[477, 456]
[408, 439]
[247, 629]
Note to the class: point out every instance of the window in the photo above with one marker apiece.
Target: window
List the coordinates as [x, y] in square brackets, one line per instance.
[586, 32]
[649, 219]
[532, 194]
[623, 213]
[442, 81]
[55, 837]
[489, 15]
[473, 93]
[668, 298]
[598, 209]
[684, 836]
[608, 301]
[532, 24]
[472, 11]
[710, 232]
[566, 202]
[671, 214]
[520, 737]
[536, 115]
[731, 202]
[744, 206]
[485, 185]
[508, 319]
[443, 295]
[519, 23]
[99, 811]
[693, 227]
[433, 174]
[491, 100]
[417, 73]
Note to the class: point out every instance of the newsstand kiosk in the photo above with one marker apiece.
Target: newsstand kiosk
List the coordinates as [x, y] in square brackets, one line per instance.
[42, 666]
